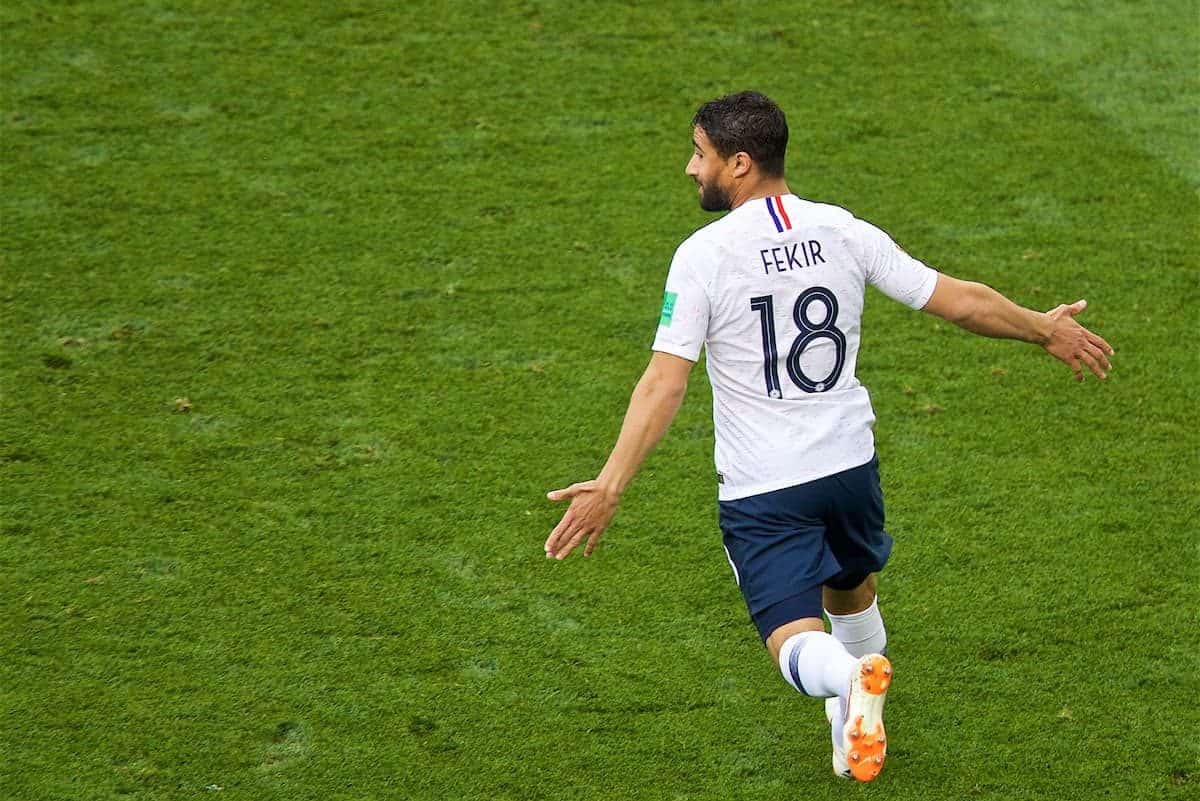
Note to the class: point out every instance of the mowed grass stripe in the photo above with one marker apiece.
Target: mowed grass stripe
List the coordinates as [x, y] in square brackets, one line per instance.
[1092, 48]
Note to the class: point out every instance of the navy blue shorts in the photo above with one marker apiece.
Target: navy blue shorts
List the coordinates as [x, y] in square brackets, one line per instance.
[785, 545]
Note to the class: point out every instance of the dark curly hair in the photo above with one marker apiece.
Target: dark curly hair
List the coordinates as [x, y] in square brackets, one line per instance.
[750, 122]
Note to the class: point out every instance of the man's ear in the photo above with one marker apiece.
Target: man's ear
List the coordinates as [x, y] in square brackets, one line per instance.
[741, 164]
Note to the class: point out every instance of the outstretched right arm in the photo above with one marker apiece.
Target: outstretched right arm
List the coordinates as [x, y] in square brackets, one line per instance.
[982, 310]
[655, 401]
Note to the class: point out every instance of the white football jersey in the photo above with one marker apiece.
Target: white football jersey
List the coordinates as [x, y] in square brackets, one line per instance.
[774, 292]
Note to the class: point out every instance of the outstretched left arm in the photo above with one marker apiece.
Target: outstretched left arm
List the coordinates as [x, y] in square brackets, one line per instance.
[982, 310]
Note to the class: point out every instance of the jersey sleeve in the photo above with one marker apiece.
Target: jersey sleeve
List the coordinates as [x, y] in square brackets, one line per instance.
[892, 271]
[683, 323]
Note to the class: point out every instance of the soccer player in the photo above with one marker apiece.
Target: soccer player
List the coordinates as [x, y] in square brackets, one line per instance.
[773, 291]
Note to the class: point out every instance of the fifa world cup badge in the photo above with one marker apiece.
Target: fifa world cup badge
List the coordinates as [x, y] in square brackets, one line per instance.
[668, 308]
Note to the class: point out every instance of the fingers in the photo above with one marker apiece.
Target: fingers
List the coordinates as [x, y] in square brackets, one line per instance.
[561, 544]
[1092, 351]
[566, 536]
[571, 491]
[584, 520]
[591, 543]
[570, 533]
[1087, 359]
[558, 535]
[1078, 347]
[1090, 359]
[572, 544]
[1069, 309]
[1099, 342]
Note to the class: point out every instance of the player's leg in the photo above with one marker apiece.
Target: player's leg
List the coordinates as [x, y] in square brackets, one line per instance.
[853, 611]
[777, 547]
[856, 536]
[815, 663]
[860, 748]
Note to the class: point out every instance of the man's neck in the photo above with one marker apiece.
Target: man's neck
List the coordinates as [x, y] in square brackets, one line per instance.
[768, 187]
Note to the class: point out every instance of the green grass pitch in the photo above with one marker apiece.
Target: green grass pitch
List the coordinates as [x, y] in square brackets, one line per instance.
[304, 307]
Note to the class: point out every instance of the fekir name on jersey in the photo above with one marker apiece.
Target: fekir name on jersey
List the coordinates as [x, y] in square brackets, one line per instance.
[774, 292]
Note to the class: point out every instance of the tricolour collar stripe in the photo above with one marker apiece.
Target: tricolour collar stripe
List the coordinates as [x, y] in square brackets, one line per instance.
[774, 217]
[783, 212]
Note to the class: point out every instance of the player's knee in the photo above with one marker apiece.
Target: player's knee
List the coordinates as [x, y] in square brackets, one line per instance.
[849, 593]
[781, 634]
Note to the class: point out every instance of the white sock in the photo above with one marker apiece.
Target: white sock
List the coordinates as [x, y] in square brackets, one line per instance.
[862, 633]
[816, 664]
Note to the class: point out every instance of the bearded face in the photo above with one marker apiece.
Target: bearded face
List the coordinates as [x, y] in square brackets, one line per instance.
[708, 170]
[713, 196]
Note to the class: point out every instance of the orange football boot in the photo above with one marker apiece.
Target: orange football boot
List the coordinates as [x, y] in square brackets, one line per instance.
[863, 743]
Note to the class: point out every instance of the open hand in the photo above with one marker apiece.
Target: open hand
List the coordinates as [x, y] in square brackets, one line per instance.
[1076, 346]
[591, 510]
